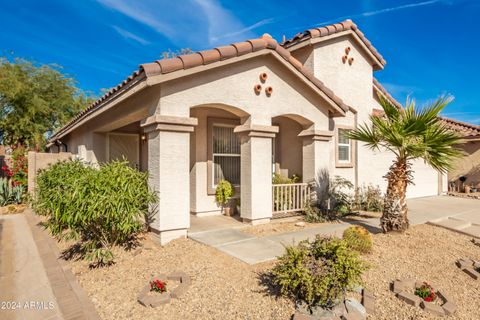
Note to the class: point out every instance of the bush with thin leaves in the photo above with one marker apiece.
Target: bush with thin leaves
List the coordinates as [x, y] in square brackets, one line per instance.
[101, 208]
[318, 272]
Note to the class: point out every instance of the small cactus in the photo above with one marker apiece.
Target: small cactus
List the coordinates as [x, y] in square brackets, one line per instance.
[359, 239]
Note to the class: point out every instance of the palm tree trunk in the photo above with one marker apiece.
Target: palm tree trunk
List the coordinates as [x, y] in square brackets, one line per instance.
[395, 210]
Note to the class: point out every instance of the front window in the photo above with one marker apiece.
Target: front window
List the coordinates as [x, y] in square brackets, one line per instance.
[344, 152]
[226, 154]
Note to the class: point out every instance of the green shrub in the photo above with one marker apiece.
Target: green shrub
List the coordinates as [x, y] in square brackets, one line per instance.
[369, 198]
[318, 272]
[358, 238]
[224, 192]
[313, 214]
[279, 179]
[100, 208]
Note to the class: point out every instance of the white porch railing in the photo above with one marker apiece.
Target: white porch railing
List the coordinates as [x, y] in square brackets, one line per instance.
[291, 197]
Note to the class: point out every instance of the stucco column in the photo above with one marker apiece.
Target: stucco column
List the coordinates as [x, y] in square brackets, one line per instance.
[316, 153]
[168, 166]
[256, 172]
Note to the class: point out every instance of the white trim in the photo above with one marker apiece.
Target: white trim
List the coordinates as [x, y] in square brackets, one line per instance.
[340, 144]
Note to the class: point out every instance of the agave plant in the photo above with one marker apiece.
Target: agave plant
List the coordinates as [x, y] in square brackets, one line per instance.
[410, 133]
[6, 192]
[10, 194]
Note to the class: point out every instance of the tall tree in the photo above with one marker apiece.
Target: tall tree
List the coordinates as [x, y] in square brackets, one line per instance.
[35, 100]
[410, 134]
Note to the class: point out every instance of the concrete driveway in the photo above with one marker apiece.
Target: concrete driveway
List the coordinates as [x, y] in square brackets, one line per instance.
[422, 210]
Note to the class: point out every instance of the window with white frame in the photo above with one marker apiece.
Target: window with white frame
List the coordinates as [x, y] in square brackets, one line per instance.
[344, 147]
[226, 154]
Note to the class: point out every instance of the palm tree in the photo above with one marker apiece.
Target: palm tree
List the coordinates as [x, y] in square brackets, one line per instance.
[410, 134]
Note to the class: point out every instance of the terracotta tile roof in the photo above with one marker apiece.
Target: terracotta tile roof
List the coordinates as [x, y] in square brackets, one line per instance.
[235, 50]
[467, 130]
[332, 29]
[380, 89]
[200, 58]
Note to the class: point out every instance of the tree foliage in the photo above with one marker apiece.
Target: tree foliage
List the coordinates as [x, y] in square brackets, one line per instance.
[35, 100]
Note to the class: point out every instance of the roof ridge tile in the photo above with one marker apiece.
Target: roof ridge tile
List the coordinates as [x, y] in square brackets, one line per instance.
[332, 29]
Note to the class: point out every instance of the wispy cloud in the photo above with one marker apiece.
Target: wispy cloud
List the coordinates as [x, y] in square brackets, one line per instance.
[198, 23]
[400, 89]
[381, 11]
[139, 13]
[129, 35]
[246, 29]
[222, 24]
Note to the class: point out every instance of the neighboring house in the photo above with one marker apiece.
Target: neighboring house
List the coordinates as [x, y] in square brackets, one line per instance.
[468, 166]
[240, 112]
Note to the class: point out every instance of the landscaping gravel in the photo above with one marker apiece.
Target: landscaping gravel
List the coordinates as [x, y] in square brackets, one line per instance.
[424, 253]
[225, 288]
[222, 286]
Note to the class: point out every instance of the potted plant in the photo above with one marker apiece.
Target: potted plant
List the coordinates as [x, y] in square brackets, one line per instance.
[223, 195]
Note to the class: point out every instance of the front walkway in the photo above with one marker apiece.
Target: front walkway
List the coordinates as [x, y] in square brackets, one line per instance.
[34, 282]
[250, 249]
[225, 233]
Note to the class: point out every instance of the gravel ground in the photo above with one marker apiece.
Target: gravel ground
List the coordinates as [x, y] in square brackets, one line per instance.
[426, 253]
[225, 288]
[222, 286]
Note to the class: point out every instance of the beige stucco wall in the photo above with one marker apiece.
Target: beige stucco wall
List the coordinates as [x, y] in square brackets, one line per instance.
[232, 89]
[40, 160]
[469, 166]
[233, 86]
[288, 147]
[353, 83]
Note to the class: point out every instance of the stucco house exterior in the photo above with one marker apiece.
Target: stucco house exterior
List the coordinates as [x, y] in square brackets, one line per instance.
[469, 165]
[242, 112]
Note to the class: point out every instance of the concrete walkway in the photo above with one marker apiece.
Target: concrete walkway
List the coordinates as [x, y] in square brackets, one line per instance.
[226, 235]
[34, 282]
[252, 250]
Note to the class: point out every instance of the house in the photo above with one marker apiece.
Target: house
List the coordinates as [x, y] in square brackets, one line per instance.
[468, 166]
[240, 112]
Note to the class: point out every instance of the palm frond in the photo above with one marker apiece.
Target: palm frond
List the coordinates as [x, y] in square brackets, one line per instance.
[412, 133]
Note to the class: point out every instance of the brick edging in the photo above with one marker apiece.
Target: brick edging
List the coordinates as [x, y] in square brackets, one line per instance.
[72, 300]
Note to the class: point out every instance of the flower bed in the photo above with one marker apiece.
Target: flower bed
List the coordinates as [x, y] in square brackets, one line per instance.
[157, 292]
[424, 295]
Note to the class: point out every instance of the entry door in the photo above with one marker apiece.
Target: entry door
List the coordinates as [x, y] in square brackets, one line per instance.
[124, 146]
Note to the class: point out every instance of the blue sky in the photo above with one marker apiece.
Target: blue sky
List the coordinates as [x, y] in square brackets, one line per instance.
[431, 46]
